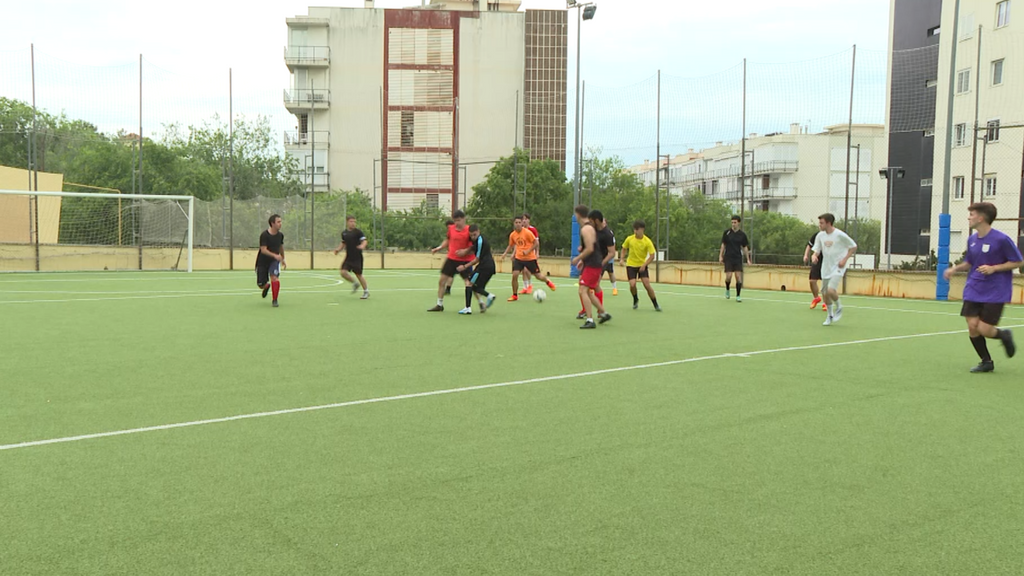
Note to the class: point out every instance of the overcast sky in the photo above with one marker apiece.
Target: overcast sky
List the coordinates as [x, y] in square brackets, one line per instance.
[87, 55]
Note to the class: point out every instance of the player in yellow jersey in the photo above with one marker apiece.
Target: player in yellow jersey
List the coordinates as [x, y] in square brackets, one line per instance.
[641, 253]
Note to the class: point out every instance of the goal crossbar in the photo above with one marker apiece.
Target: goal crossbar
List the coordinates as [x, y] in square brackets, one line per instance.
[189, 213]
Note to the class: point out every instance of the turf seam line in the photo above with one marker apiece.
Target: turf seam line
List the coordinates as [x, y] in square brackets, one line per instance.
[286, 411]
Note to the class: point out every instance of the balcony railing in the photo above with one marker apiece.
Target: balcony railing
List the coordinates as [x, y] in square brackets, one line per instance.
[318, 138]
[307, 98]
[317, 179]
[307, 55]
[758, 169]
[773, 193]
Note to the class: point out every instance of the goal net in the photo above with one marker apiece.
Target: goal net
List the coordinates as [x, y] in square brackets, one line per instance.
[72, 231]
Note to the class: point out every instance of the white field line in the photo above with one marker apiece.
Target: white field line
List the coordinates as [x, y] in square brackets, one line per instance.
[382, 399]
[145, 276]
[247, 293]
[794, 302]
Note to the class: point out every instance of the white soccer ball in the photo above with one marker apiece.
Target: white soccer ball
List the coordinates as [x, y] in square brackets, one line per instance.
[540, 295]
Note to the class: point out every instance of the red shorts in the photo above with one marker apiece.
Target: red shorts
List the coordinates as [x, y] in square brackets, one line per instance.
[591, 277]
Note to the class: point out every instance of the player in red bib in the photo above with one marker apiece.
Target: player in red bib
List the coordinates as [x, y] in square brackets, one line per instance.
[459, 247]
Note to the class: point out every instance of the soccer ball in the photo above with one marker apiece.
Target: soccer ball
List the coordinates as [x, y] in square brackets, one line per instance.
[540, 296]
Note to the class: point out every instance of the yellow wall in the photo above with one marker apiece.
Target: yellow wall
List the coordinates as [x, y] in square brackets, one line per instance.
[17, 210]
[919, 285]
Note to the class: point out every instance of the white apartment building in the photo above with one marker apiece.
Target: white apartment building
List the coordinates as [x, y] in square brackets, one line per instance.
[794, 173]
[415, 105]
[986, 164]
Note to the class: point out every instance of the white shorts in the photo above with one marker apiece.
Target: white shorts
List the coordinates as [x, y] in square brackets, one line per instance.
[833, 280]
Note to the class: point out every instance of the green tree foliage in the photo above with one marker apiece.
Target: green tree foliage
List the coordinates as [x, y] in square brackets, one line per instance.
[548, 200]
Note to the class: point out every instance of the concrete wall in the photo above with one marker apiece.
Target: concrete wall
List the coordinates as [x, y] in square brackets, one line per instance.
[18, 220]
[491, 63]
[915, 285]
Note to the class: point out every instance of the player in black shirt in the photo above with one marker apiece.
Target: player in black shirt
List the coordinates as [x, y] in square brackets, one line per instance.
[734, 247]
[483, 269]
[815, 274]
[270, 258]
[354, 242]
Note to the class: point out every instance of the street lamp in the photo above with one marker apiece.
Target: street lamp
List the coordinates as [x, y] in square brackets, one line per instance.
[584, 11]
[890, 173]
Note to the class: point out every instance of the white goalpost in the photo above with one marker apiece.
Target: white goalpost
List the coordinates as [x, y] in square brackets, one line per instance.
[84, 231]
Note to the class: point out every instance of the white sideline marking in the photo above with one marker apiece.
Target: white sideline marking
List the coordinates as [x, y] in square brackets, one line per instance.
[851, 306]
[247, 293]
[381, 399]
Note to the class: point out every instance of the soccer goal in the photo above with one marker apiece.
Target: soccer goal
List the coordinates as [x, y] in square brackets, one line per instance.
[75, 231]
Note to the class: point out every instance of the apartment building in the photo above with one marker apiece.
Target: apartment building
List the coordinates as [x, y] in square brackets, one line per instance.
[794, 173]
[415, 105]
[988, 114]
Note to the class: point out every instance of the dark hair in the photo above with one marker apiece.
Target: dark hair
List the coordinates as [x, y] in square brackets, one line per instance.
[349, 217]
[581, 210]
[596, 215]
[735, 218]
[639, 224]
[517, 218]
[525, 215]
[449, 222]
[986, 209]
[272, 218]
[458, 214]
[828, 217]
[473, 228]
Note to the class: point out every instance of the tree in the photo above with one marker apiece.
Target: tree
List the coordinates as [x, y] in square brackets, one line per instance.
[548, 200]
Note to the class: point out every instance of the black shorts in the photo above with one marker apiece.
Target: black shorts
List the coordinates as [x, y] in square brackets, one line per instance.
[609, 267]
[733, 265]
[988, 312]
[482, 275]
[530, 265]
[354, 266]
[450, 268]
[263, 272]
[816, 271]
[633, 272]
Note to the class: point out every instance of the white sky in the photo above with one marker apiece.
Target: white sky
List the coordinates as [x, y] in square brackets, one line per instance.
[86, 50]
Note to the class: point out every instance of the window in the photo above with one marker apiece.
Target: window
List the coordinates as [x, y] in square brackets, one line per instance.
[934, 31]
[714, 187]
[960, 135]
[431, 201]
[766, 182]
[958, 187]
[493, 7]
[992, 131]
[963, 81]
[997, 72]
[990, 185]
[925, 182]
[408, 134]
[966, 27]
[1002, 13]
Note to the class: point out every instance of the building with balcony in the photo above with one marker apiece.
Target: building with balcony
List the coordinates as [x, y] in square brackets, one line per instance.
[987, 152]
[794, 173]
[415, 105]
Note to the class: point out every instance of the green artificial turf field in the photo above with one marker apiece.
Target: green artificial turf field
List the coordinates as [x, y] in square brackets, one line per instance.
[714, 438]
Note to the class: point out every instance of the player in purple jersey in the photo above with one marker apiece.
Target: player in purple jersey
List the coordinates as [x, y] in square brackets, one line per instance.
[991, 258]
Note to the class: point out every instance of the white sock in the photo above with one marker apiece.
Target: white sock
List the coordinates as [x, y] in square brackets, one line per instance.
[613, 285]
[440, 301]
[590, 319]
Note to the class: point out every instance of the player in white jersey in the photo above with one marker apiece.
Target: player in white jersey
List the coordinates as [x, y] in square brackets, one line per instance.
[833, 248]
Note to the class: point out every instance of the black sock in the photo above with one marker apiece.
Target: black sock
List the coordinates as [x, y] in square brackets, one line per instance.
[469, 297]
[999, 334]
[739, 287]
[727, 283]
[479, 290]
[655, 302]
[636, 299]
[981, 347]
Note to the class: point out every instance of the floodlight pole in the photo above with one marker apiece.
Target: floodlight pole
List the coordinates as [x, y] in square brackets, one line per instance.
[575, 235]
